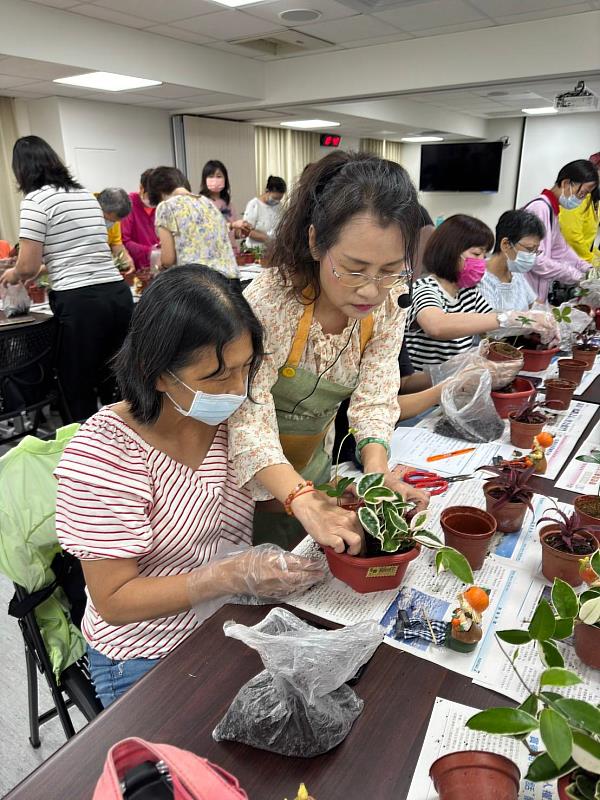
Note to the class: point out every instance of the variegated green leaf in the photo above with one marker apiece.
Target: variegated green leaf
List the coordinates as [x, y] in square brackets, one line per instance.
[377, 494]
[369, 480]
[370, 522]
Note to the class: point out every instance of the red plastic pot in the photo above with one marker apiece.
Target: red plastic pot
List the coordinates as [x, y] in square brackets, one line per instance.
[589, 356]
[587, 644]
[522, 433]
[509, 516]
[373, 574]
[468, 530]
[537, 360]
[502, 351]
[476, 775]
[570, 369]
[562, 786]
[506, 402]
[559, 392]
[560, 564]
[585, 518]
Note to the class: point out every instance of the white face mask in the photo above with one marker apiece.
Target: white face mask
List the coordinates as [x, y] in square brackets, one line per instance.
[212, 409]
[523, 262]
[571, 201]
[109, 224]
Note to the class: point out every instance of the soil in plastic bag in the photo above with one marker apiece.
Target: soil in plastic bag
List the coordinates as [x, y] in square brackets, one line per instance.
[469, 414]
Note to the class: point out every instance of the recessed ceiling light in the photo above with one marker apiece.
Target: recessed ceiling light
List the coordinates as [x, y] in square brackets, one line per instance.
[422, 139]
[309, 123]
[107, 81]
[541, 110]
[236, 3]
[300, 15]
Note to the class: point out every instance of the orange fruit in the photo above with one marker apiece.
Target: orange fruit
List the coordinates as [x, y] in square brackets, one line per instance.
[477, 598]
[544, 439]
[455, 622]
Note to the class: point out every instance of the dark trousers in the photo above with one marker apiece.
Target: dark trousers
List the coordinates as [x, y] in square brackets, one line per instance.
[93, 323]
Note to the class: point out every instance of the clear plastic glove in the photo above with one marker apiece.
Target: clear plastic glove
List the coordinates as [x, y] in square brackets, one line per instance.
[537, 320]
[470, 365]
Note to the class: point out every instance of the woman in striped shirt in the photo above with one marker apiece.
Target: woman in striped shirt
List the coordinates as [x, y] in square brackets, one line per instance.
[448, 311]
[62, 226]
[147, 496]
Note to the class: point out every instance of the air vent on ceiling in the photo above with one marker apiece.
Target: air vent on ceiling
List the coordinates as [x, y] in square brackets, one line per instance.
[371, 6]
[286, 43]
[300, 15]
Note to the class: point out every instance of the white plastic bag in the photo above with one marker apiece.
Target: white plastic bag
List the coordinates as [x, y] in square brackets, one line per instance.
[475, 360]
[299, 705]
[15, 300]
[468, 411]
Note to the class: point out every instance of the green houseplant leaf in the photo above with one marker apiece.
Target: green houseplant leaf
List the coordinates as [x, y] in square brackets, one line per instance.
[370, 522]
[563, 629]
[514, 636]
[556, 735]
[543, 769]
[582, 714]
[392, 518]
[369, 480]
[542, 623]
[451, 559]
[557, 676]
[550, 654]
[377, 494]
[503, 721]
[564, 599]
[589, 613]
[586, 752]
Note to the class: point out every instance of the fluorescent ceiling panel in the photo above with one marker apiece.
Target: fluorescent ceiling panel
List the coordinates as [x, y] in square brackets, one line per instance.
[310, 123]
[108, 81]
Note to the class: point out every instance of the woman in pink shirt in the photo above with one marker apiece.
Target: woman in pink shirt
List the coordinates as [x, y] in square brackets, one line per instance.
[215, 185]
[137, 228]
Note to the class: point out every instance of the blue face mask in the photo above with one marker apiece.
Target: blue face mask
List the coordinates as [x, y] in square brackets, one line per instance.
[212, 409]
[523, 262]
[108, 224]
[271, 202]
[570, 202]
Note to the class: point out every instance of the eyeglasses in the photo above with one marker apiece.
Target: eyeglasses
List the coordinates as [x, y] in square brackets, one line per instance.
[354, 280]
[534, 251]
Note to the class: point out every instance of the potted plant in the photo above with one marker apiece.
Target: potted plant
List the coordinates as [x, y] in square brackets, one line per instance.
[528, 423]
[569, 728]
[585, 350]
[571, 369]
[508, 496]
[587, 618]
[513, 397]
[503, 351]
[393, 539]
[588, 505]
[564, 542]
[536, 356]
[468, 530]
[559, 392]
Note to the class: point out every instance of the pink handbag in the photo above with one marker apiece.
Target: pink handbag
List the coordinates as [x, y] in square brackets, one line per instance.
[136, 769]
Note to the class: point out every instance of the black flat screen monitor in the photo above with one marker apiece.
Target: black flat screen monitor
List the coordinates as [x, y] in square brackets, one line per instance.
[465, 167]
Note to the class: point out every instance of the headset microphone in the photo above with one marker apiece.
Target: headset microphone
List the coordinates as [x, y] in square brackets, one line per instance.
[405, 300]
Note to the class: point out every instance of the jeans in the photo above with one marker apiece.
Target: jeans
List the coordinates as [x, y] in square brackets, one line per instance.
[112, 678]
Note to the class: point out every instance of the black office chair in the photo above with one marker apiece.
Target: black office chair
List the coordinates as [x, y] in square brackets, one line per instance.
[28, 380]
[75, 687]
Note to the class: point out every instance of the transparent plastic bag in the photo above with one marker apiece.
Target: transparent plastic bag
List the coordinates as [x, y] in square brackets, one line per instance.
[15, 300]
[475, 360]
[299, 705]
[468, 411]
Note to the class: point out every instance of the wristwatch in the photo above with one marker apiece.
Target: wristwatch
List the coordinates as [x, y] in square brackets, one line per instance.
[502, 318]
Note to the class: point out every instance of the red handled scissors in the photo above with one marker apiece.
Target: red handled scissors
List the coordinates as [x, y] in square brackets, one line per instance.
[434, 483]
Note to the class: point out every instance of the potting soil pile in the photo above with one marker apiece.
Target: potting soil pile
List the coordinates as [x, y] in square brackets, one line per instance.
[468, 411]
[299, 705]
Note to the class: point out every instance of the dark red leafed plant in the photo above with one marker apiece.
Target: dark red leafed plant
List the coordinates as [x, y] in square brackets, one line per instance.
[534, 412]
[569, 528]
[510, 485]
[585, 342]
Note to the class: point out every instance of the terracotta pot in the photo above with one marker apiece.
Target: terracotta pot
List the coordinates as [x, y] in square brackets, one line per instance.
[370, 574]
[570, 369]
[475, 774]
[37, 294]
[559, 564]
[522, 433]
[468, 530]
[562, 786]
[559, 392]
[537, 360]
[505, 402]
[586, 518]
[502, 351]
[589, 356]
[509, 516]
[587, 644]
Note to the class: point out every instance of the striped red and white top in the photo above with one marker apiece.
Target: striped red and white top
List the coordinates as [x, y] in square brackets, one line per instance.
[118, 497]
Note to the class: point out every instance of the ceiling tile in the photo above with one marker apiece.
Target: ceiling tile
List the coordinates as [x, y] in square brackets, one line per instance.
[10, 81]
[215, 99]
[329, 9]
[441, 12]
[227, 25]
[108, 15]
[159, 10]
[463, 26]
[509, 19]
[502, 8]
[179, 34]
[61, 90]
[56, 3]
[398, 36]
[133, 98]
[347, 30]
[40, 70]
[169, 91]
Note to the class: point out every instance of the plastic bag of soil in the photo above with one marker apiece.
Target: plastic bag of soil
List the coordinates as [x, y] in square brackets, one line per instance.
[468, 411]
[475, 360]
[15, 300]
[299, 705]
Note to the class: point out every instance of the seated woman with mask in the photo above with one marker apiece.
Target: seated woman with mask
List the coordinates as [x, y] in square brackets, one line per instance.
[504, 285]
[147, 496]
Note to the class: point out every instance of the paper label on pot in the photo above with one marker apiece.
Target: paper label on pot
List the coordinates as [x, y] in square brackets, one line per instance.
[382, 572]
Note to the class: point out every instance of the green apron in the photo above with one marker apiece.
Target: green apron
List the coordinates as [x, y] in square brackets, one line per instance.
[304, 417]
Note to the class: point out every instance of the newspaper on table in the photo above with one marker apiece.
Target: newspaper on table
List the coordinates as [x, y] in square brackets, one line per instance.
[578, 476]
[446, 733]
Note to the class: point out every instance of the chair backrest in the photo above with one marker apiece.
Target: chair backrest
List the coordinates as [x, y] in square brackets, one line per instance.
[27, 361]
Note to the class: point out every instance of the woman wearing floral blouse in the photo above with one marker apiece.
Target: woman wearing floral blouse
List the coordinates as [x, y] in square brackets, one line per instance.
[333, 330]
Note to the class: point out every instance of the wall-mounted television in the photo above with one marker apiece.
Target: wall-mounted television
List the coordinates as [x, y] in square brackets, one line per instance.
[464, 167]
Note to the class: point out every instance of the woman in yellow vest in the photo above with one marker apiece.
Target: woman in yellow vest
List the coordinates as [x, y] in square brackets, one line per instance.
[328, 302]
[579, 225]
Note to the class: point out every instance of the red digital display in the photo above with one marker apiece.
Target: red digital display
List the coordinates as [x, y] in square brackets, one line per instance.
[330, 140]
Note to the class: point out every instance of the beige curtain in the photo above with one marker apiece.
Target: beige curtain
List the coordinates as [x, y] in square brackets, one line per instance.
[283, 152]
[9, 197]
[382, 148]
[393, 151]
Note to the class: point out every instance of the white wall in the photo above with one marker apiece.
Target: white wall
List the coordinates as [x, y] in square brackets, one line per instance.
[550, 143]
[486, 207]
[44, 121]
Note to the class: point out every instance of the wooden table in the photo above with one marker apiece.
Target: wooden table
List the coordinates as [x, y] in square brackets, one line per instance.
[182, 699]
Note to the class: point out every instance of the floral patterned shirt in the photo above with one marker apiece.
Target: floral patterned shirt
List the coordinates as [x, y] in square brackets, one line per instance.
[200, 232]
[253, 431]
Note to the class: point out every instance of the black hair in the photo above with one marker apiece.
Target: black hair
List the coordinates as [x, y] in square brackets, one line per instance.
[144, 178]
[208, 170]
[328, 194]
[514, 225]
[425, 217]
[580, 171]
[455, 235]
[182, 311]
[36, 164]
[276, 184]
[164, 180]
